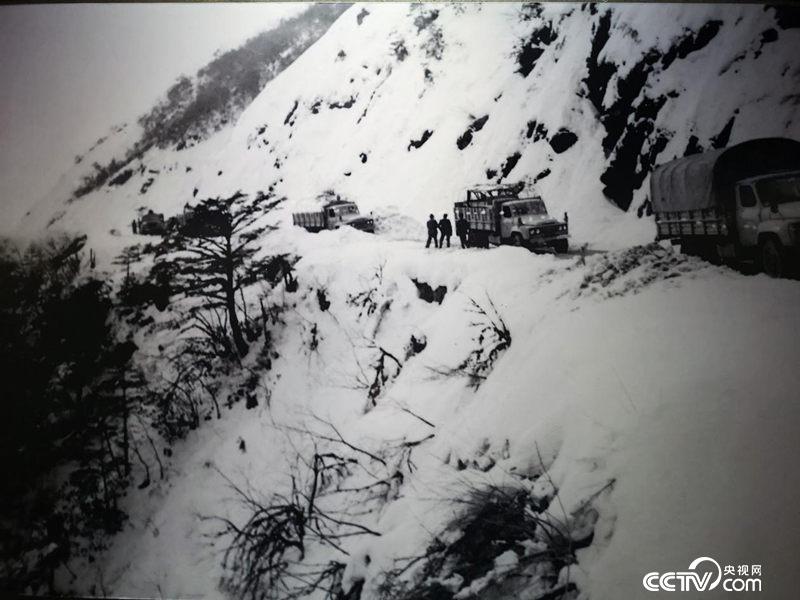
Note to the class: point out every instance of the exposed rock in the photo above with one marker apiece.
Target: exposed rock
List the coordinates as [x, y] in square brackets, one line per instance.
[418, 143]
[289, 116]
[534, 47]
[536, 130]
[465, 138]
[509, 165]
[691, 43]
[721, 139]
[427, 293]
[563, 140]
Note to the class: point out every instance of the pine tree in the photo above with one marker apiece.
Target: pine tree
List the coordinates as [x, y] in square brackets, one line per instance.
[213, 257]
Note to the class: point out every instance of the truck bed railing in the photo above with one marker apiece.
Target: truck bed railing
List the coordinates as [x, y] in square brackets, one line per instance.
[479, 215]
[702, 222]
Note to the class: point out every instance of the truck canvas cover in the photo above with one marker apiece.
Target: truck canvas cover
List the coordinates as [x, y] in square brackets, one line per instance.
[702, 181]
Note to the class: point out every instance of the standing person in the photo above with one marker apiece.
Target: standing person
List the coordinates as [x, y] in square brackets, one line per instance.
[462, 228]
[446, 228]
[133, 225]
[433, 229]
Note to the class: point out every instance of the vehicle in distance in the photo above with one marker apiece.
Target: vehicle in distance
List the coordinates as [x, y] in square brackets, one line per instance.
[332, 216]
[199, 221]
[152, 223]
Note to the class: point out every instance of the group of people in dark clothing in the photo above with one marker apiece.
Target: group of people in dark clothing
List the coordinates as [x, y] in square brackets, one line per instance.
[440, 231]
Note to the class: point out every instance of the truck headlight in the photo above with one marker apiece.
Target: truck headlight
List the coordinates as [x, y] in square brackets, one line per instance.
[536, 231]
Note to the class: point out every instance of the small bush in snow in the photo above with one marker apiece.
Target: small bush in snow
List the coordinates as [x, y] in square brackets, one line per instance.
[399, 50]
[493, 338]
[265, 557]
[504, 543]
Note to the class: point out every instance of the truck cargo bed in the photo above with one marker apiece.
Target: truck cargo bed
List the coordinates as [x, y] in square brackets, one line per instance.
[309, 220]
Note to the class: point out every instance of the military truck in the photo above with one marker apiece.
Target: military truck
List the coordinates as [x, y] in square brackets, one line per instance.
[152, 223]
[199, 221]
[333, 215]
[500, 214]
[740, 203]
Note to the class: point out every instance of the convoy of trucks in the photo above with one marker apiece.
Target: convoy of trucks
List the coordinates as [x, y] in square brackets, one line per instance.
[499, 214]
[740, 203]
[194, 221]
[333, 215]
[737, 204]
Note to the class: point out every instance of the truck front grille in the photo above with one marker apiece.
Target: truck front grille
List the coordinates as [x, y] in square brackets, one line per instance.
[549, 230]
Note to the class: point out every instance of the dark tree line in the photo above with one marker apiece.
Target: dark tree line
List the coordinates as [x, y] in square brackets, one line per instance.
[194, 108]
[81, 422]
[224, 87]
[68, 386]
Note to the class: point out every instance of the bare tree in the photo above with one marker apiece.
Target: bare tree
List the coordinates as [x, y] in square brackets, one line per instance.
[265, 557]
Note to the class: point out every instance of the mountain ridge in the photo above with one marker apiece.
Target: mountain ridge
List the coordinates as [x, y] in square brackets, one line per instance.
[551, 86]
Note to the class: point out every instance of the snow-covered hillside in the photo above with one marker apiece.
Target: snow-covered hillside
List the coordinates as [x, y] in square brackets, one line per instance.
[649, 398]
[466, 423]
[400, 107]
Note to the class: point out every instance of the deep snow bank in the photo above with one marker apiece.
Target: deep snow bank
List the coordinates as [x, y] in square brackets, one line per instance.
[656, 388]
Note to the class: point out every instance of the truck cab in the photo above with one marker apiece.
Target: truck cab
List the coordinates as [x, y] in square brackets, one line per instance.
[347, 213]
[525, 222]
[339, 214]
[768, 217]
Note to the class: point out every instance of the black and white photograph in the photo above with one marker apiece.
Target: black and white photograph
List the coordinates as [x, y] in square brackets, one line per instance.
[400, 300]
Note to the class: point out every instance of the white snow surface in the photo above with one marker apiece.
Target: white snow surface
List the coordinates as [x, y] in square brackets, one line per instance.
[666, 398]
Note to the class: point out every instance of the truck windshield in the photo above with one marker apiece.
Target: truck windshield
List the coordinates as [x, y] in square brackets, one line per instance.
[531, 207]
[779, 190]
[348, 209]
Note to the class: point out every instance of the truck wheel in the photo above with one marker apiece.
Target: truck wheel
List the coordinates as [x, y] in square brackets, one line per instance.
[561, 246]
[773, 261]
[516, 240]
[478, 239]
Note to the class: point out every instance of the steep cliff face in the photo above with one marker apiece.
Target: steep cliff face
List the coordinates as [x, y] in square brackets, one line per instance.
[399, 107]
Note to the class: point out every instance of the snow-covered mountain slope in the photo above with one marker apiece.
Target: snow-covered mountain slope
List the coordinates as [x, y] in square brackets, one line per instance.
[653, 388]
[400, 107]
[191, 111]
[630, 386]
